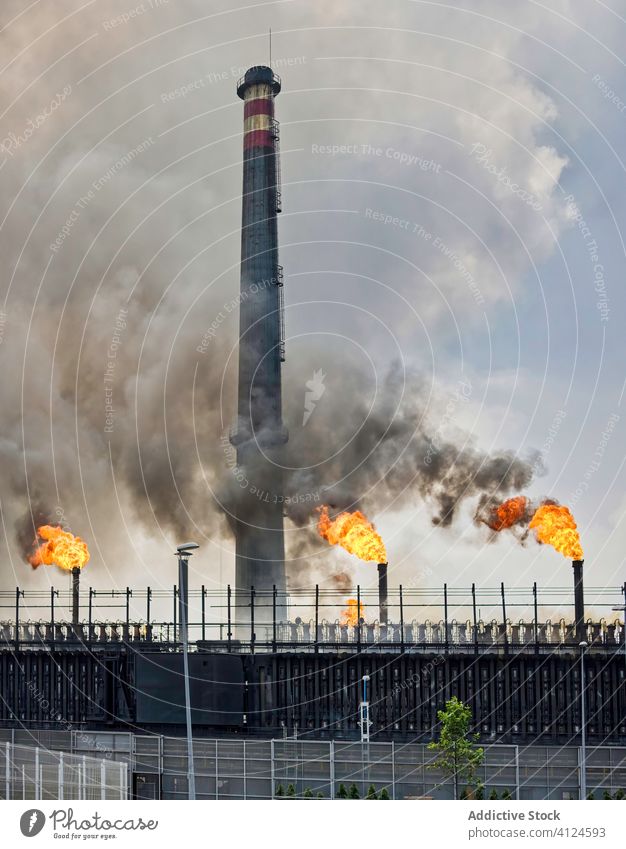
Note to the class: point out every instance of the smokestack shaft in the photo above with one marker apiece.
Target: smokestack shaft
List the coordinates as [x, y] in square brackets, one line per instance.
[382, 594]
[75, 595]
[259, 432]
[579, 599]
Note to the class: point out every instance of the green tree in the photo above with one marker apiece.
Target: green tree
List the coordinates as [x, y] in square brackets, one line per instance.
[371, 792]
[320, 795]
[493, 794]
[308, 793]
[479, 792]
[291, 791]
[457, 754]
[506, 793]
[280, 790]
[353, 792]
[342, 793]
[606, 795]
[619, 794]
[384, 793]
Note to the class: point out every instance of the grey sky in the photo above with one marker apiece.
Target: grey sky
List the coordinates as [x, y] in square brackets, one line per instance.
[435, 158]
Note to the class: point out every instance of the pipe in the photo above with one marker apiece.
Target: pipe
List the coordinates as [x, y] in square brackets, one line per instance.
[382, 593]
[75, 595]
[579, 599]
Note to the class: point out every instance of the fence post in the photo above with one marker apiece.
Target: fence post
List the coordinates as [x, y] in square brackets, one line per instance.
[61, 780]
[244, 772]
[203, 612]
[84, 765]
[37, 787]
[331, 753]
[7, 771]
[123, 793]
[272, 771]
[103, 779]
[393, 770]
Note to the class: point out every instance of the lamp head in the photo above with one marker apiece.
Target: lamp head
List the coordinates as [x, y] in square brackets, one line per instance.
[186, 547]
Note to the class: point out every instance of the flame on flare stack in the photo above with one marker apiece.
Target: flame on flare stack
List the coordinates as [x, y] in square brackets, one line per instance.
[554, 525]
[350, 616]
[354, 533]
[61, 548]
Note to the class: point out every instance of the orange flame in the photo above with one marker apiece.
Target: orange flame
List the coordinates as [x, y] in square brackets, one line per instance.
[61, 549]
[349, 616]
[353, 532]
[555, 525]
[509, 513]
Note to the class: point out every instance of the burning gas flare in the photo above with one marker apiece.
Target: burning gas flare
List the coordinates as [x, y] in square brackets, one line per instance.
[555, 526]
[61, 549]
[350, 616]
[510, 512]
[353, 532]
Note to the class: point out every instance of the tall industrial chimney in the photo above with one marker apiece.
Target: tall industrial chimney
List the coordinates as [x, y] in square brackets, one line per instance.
[259, 432]
[579, 599]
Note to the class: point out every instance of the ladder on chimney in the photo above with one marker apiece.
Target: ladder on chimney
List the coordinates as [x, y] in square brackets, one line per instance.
[276, 137]
[279, 278]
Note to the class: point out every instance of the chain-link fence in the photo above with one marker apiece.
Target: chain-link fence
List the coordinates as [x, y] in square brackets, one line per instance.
[31, 772]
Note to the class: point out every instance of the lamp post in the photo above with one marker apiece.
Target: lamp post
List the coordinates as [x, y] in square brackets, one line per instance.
[583, 723]
[183, 552]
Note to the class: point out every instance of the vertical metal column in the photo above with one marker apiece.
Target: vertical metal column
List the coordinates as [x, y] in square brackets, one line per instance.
[317, 617]
[475, 619]
[7, 771]
[229, 633]
[536, 617]
[506, 636]
[183, 593]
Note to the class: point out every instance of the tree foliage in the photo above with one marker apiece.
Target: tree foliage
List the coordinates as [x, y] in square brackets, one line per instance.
[457, 754]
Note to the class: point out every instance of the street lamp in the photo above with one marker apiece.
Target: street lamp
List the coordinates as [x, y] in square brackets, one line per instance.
[183, 552]
[583, 723]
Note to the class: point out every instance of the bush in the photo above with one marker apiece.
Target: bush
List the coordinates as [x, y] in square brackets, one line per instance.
[619, 794]
[384, 794]
[493, 794]
[590, 795]
[506, 794]
[280, 790]
[353, 793]
[606, 795]
[308, 793]
[371, 792]
[320, 795]
[465, 793]
[342, 793]
[479, 792]
[291, 790]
